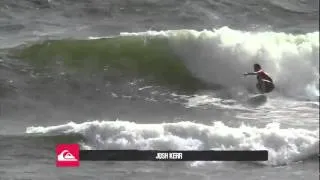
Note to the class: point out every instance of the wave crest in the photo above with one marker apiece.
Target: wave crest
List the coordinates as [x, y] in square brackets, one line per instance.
[190, 59]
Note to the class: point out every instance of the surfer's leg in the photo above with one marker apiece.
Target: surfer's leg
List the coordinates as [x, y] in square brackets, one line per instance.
[266, 86]
[269, 87]
[260, 87]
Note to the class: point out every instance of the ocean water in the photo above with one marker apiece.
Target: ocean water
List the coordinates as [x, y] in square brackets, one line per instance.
[149, 74]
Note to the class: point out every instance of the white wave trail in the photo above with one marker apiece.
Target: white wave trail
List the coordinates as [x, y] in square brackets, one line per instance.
[284, 145]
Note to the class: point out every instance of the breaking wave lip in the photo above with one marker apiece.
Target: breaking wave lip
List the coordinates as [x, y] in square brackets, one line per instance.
[221, 56]
[190, 58]
[284, 145]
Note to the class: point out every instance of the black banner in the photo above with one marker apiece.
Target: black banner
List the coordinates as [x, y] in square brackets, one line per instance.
[151, 155]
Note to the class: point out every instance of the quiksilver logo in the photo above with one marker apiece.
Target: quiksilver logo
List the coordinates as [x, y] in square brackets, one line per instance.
[65, 155]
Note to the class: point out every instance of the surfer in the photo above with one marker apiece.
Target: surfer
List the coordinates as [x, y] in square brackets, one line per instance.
[265, 83]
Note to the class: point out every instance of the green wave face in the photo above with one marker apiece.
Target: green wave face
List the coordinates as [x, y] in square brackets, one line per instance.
[142, 56]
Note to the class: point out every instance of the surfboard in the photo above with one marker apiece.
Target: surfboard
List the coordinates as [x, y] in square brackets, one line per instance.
[257, 100]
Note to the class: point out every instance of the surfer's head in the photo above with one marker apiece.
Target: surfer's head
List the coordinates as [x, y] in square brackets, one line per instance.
[256, 67]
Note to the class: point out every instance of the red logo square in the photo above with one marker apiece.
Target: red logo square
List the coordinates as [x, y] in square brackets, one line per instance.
[67, 155]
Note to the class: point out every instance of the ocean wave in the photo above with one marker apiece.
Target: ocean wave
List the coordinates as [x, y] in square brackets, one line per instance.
[284, 145]
[190, 58]
[147, 57]
[222, 55]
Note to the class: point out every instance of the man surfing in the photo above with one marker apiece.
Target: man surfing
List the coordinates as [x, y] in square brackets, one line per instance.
[265, 83]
